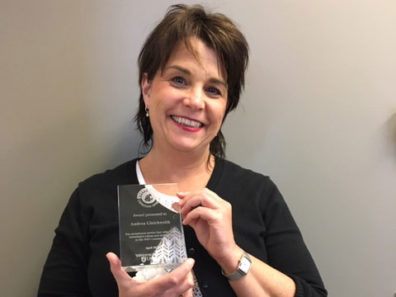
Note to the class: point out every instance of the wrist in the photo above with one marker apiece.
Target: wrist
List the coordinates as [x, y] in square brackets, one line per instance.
[230, 261]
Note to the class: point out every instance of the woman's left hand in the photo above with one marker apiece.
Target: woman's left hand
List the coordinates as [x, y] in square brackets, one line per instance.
[211, 218]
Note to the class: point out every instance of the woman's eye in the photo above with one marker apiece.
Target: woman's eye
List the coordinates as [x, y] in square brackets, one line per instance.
[178, 80]
[213, 91]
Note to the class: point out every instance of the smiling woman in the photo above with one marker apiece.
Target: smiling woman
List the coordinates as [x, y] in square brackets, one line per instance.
[186, 100]
[217, 32]
[238, 229]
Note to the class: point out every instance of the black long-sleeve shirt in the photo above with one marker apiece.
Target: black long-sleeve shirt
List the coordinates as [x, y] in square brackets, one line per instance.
[262, 224]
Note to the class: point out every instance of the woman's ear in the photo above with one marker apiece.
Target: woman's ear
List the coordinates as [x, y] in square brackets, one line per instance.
[145, 86]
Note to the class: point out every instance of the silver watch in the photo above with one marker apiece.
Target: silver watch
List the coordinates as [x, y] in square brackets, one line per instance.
[243, 268]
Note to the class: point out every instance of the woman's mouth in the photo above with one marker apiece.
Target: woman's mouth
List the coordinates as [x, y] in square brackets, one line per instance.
[187, 124]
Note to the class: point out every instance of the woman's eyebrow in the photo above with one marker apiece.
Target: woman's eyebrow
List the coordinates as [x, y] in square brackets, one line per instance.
[179, 68]
[218, 82]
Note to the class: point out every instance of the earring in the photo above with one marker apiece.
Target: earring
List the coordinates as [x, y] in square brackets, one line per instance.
[147, 112]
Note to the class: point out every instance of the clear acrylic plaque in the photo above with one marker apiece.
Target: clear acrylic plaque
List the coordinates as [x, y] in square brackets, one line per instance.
[150, 229]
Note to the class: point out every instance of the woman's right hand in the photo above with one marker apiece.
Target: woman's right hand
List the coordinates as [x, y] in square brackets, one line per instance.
[177, 283]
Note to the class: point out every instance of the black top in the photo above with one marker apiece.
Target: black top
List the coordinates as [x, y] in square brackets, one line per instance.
[88, 229]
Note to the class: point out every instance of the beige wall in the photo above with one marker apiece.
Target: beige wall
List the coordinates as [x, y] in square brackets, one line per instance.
[318, 115]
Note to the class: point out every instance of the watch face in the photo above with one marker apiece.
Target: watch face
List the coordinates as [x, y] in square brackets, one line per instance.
[244, 264]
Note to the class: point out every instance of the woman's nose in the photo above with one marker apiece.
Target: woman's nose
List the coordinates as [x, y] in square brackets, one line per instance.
[195, 99]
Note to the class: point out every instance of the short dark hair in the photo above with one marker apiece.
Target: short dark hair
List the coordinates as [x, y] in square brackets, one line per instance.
[218, 32]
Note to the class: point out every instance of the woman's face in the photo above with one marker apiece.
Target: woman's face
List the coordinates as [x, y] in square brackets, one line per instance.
[187, 100]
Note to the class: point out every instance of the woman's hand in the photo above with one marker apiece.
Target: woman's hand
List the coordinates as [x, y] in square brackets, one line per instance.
[211, 218]
[177, 283]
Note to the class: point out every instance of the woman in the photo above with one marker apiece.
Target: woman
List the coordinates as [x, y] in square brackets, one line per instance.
[238, 228]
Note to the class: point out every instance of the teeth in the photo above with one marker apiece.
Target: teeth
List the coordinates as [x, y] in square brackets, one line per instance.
[187, 122]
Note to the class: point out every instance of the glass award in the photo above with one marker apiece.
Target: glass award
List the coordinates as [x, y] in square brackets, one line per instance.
[150, 229]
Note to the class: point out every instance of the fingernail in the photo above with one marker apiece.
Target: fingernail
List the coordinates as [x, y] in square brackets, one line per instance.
[190, 261]
[176, 206]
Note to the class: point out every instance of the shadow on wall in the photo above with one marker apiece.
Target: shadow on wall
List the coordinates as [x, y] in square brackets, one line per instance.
[127, 146]
[391, 129]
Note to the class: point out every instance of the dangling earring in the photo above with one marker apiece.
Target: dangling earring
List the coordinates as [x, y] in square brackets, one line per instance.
[147, 112]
